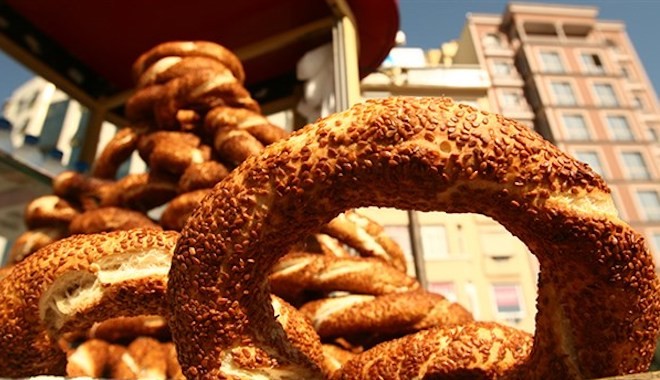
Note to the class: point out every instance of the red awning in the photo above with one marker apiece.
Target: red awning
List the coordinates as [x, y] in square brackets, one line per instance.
[94, 43]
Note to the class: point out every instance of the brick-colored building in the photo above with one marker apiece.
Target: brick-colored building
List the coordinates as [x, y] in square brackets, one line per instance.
[574, 78]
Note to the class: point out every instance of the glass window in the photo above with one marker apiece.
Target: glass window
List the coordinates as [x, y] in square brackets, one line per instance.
[446, 289]
[655, 242]
[592, 63]
[576, 127]
[649, 201]
[551, 62]
[635, 165]
[473, 300]
[625, 72]
[401, 235]
[503, 68]
[512, 98]
[591, 158]
[638, 103]
[434, 241]
[498, 243]
[563, 93]
[619, 128]
[605, 94]
[508, 302]
[492, 40]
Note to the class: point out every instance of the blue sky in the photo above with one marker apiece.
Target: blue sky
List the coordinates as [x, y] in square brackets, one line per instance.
[428, 23]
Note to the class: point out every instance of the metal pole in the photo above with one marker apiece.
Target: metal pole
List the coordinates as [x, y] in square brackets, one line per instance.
[416, 246]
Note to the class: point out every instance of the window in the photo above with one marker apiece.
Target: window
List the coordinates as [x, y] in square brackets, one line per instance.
[651, 134]
[576, 127]
[512, 99]
[446, 289]
[606, 95]
[401, 235]
[434, 241]
[591, 158]
[655, 242]
[625, 72]
[503, 68]
[497, 243]
[638, 103]
[649, 201]
[592, 63]
[563, 93]
[508, 302]
[551, 62]
[492, 40]
[619, 128]
[635, 165]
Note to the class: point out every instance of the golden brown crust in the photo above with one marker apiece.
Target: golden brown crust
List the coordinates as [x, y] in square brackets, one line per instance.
[49, 211]
[78, 188]
[142, 191]
[428, 154]
[202, 176]
[173, 367]
[299, 331]
[31, 241]
[54, 289]
[387, 315]
[172, 151]
[172, 67]
[299, 272]
[472, 351]
[139, 106]
[367, 237]
[250, 121]
[88, 359]
[150, 357]
[201, 90]
[116, 152]
[179, 209]
[106, 219]
[335, 356]
[126, 329]
[189, 49]
[234, 145]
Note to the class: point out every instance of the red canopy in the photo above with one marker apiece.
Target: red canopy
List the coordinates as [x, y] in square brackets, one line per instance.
[94, 43]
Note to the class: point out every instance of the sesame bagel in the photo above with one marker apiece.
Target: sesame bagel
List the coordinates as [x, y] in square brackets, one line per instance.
[106, 219]
[386, 315]
[304, 272]
[598, 312]
[116, 152]
[367, 237]
[49, 211]
[72, 283]
[188, 49]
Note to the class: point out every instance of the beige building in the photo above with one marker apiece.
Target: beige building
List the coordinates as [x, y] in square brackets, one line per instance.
[468, 258]
[574, 78]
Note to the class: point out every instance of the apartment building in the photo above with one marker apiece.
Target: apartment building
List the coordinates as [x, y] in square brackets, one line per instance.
[572, 77]
[469, 258]
[588, 92]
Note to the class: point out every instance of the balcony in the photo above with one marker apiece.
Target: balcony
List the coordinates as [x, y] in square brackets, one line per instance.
[455, 77]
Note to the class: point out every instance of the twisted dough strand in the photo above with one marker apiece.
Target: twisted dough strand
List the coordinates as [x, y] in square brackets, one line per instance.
[299, 272]
[389, 315]
[427, 154]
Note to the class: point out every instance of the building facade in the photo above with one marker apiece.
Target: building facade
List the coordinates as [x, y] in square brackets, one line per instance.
[576, 80]
[588, 92]
[469, 258]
